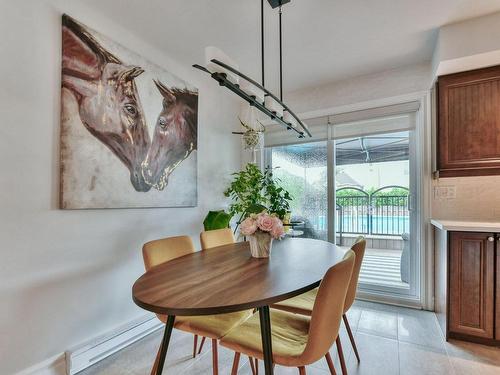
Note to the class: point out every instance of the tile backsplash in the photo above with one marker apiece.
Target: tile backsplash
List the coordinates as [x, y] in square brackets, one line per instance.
[475, 198]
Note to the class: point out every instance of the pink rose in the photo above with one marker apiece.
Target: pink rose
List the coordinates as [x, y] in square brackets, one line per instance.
[278, 231]
[265, 222]
[248, 226]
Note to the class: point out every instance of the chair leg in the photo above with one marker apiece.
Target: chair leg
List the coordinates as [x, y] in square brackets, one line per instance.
[250, 359]
[330, 363]
[215, 358]
[195, 345]
[256, 366]
[302, 370]
[157, 359]
[236, 362]
[341, 356]
[351, 337]
[201, 344]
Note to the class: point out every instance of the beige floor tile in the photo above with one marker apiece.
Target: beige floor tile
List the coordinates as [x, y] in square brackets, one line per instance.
[379, 356]
[416, 359]
[380, 323]
[466, 353]
[420, 327]
[353, 316]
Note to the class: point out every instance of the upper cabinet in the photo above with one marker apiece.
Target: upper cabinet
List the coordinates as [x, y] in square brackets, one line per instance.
[468, 127]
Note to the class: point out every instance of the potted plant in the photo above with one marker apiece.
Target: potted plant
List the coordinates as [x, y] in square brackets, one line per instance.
[253, 191]
[261, 229]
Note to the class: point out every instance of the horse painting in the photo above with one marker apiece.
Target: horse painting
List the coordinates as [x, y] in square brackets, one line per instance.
[108, 101]
[174, 136]
[111, 97]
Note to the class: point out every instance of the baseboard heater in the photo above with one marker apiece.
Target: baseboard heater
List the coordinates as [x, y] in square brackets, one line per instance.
[88, 354]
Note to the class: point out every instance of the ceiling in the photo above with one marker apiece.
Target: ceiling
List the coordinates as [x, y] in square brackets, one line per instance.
[324, 40]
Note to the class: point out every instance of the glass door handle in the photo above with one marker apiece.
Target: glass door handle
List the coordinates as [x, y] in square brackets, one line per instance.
[409, 203]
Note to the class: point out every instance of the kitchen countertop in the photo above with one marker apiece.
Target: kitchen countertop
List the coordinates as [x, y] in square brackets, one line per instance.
[466, 225]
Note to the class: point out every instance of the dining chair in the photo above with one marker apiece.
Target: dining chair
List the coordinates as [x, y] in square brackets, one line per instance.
[212, 326]
[298, 340]
[214, 238]
[303, 304]
[217, 237]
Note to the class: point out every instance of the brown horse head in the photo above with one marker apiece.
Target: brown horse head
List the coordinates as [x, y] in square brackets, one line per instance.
[174, 136]
[108, 101]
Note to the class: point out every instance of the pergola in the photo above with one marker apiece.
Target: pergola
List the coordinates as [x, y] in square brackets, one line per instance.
[361, 150]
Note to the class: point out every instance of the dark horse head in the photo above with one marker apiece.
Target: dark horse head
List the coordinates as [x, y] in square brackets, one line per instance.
[107, 97]
[174, 136]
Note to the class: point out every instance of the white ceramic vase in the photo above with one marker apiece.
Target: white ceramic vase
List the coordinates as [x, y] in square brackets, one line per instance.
[261, 244]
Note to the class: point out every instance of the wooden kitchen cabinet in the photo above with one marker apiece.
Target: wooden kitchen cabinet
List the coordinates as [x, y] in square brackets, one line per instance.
[468, 123]
[497, 309]
[472, 284]
[467, 281]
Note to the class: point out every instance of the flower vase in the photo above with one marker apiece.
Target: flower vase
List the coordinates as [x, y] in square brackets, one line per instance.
[261, 244]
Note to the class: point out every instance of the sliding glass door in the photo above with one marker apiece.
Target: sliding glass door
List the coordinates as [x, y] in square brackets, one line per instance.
[302, 169]
[374, 194]
[359, 180]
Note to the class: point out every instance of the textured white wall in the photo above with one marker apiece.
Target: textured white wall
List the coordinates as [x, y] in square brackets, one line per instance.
[477, 198]
[355, 90]
[66, 276]
[466, 45]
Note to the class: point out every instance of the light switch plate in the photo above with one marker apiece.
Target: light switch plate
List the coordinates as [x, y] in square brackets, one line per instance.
[445, 192]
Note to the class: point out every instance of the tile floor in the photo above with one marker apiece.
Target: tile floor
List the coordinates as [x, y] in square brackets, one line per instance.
[391, 340]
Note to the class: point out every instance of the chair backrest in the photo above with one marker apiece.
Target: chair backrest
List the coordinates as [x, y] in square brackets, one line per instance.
[328, 309]
[359, 249]
[161, 251]
[217, 237]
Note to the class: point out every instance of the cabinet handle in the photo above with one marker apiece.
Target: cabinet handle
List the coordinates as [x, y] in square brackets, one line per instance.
[491, 239]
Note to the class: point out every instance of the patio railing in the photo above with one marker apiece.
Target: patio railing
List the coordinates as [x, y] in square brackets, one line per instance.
[382, 212]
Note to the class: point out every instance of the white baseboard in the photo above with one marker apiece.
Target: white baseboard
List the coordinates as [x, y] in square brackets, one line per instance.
[87, 354]
[53, 366]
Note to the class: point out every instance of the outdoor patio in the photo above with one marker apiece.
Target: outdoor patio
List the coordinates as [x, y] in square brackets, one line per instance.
[382, 262]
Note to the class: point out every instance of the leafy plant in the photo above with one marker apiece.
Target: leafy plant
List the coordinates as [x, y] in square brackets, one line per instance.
[253, 191]
[216, 220]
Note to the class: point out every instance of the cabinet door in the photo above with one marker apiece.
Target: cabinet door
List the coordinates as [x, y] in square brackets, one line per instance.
[497, 324]
[469, 123]
[471, 305]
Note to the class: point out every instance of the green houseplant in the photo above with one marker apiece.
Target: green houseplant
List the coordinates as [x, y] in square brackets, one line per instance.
[253, 191]
[216, 220]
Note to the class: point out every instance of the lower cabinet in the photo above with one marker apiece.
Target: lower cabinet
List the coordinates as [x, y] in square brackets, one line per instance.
[473, 307]
[497, 310]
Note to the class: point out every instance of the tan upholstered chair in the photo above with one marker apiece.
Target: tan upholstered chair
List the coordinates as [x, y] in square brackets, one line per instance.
[211, 326]
[299, 340]
[214, 238]
[304, 303]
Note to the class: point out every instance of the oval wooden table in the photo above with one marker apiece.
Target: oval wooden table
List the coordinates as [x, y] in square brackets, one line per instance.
[227, 279]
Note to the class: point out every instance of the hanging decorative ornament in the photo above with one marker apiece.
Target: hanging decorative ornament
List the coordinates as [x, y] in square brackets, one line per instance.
[252, 138]
[252, 134]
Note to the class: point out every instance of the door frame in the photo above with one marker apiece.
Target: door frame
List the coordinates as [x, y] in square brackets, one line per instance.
[370, 291]
[424, 233]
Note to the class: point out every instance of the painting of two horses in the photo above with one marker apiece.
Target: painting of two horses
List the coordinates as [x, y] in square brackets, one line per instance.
[128, 127]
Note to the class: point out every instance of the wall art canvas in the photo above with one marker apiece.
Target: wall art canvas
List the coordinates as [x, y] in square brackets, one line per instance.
[128, 127]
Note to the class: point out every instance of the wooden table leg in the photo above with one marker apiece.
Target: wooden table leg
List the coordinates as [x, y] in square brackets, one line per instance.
[265, 331]
[164, 344]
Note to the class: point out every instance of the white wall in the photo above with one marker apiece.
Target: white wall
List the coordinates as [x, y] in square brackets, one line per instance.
[365, 88]
[466, 45]
[66, 276]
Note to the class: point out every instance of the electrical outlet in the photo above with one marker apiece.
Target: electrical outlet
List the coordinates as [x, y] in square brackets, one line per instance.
[445, 192]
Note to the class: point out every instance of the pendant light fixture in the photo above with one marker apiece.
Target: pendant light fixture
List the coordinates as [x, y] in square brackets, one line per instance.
[224, 70]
